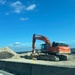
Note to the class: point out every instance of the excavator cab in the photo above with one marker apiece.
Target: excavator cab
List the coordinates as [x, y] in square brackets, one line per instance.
[44, 47]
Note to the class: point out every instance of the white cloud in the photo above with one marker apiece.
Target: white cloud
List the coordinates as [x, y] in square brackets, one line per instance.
[17, 43]
[18, 46]
[31, 7]
[11, 45]
[2, 1]
[17, 7]
[24, 19]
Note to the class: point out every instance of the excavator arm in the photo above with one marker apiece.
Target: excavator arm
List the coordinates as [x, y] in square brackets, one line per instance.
[39, 37]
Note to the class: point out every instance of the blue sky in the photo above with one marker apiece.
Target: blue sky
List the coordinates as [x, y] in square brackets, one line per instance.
[20, 19]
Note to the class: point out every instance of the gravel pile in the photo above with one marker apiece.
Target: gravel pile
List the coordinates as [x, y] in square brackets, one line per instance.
[6, 53]
[16, 57]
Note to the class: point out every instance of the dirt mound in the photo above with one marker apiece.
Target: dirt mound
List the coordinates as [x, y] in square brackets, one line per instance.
[16, 57]
[6, 53]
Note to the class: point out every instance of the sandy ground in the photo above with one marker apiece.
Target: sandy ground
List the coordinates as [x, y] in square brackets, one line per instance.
[6, 54]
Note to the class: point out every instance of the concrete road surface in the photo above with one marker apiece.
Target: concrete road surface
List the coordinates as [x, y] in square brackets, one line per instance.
[5, 73]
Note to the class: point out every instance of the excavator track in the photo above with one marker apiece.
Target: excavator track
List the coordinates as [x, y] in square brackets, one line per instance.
[63, 57]
[48, 57]
[54, 57]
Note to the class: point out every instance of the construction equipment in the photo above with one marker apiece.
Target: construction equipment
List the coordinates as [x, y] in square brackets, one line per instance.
[50, 51]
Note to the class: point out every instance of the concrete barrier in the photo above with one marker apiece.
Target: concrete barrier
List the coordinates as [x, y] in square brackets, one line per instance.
[20, 68]
[46, 70]
[3, 65]
[51, 70]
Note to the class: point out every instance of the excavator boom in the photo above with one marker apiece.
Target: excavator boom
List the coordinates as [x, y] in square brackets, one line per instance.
[39, 37]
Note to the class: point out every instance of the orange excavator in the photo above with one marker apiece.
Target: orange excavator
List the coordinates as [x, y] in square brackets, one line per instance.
[50, 51]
